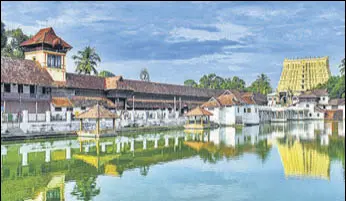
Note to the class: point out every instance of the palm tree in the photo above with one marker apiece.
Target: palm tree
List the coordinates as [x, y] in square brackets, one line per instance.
[86, 61]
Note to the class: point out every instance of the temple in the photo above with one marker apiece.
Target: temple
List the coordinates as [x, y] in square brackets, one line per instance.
[40, 83]
[303, 74]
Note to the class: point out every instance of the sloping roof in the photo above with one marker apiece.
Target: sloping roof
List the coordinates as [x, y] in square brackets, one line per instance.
[198, 111]
[20, 71]
[211, 103]
[163, 88]
[314, 93]
[338, 101]
[97, 112]
[81, 101]
[47, 36]
[84, 81]
[61, 102]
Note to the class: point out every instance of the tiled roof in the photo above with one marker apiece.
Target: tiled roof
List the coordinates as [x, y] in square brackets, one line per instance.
[338, 101]
[20, 71]
[81, 101]
[97, 112]
[198, 111]
[314, 93]
[47, 36]
[162, 88]
[84, 81]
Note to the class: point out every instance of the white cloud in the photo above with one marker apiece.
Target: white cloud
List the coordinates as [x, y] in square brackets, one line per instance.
[227, 31]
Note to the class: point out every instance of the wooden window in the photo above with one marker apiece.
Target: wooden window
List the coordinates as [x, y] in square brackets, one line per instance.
[249, 110]
[7, 88]
[54, 61]
[20, 88]
[70, 109]
[58, 109]
[32, 89]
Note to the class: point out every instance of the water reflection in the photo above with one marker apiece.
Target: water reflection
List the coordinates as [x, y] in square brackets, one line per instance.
[39, 170]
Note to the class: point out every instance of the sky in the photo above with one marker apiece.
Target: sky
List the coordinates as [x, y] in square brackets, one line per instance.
[177, 41]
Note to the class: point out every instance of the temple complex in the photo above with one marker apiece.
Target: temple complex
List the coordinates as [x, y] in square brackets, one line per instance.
[40, 83]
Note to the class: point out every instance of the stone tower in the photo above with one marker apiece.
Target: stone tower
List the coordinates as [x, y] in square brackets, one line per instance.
[50, 51]
[303, 74]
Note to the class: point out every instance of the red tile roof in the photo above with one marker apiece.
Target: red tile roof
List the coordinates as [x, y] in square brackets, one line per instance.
[47, 36]
[84, 81]
[21, 71]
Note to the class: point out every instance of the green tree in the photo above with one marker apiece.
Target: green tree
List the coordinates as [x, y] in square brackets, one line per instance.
[105, 73]
[86, 61]
[14, 38]
[3, 35]
[342, 67]
[261, 85]
[144, 75]
[190, 83]
[85, 189]
[207, 80]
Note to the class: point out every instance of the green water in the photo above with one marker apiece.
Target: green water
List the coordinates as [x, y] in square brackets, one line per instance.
[296, 161]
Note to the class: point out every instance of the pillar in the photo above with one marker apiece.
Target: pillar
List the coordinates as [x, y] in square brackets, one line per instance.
[179, 104]
[103, 148]
[68, 116]
[166, 141]
[175, 104]
[25, 116]
[47, 116]
[25, 159]
[68, 153]
[156, 142]
[167, 113]
[47, 158]
[132, 145]
[176, 141]
[145, 143]
[118, 147]
[36, 105]
[87, 149]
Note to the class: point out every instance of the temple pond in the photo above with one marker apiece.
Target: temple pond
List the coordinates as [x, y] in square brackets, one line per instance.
[292, 161]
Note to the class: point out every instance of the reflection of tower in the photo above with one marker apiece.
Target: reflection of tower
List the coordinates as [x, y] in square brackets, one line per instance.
[301, 161]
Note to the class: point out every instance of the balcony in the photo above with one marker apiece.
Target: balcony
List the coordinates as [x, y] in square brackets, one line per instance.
[25, 97]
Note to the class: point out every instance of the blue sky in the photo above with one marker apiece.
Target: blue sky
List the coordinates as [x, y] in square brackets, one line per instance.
[185, 40]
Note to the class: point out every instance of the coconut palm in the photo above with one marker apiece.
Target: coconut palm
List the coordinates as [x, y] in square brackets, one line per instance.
[85, 189]
[86, 61]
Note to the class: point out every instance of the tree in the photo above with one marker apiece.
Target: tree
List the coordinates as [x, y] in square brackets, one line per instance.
[342, 67]
[85, 189]
[86, 61]
[14, 38]
[144, 75]
[261, 85]
[105, 73]
[3, 35]
[190, 83]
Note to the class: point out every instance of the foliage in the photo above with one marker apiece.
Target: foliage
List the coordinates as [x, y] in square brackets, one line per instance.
[144, 75]
[213, 81]
[86, 61]
[190, 83]
[105, 73]
[261, 85]
[342, 67]
[3, 35]
[12, 48]
[85, 189]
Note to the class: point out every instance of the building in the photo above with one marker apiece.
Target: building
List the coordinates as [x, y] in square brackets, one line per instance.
[233, 107]
[316, 101]
[303, 74]
[40, 83]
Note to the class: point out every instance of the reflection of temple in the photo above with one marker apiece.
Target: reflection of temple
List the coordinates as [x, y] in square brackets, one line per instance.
[301, 161]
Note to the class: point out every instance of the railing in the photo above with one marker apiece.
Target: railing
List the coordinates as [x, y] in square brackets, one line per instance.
[24, 97]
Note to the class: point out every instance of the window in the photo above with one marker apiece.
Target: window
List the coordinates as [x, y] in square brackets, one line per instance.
[238, 110]
[54, 61]
[58, 109]
[244, 110]
[43, 90]
[34, 58]
[249, 110]
[83, 108]
[310, 115]
[318, 114]
[323, 98]
[307, 105]
[20, 88]
[7, 88]
[302, 86]
[255, 110]
[70, 109]
[32, 89]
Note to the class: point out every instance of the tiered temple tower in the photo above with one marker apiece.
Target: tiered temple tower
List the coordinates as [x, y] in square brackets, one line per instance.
[50, 51]
[303, 74]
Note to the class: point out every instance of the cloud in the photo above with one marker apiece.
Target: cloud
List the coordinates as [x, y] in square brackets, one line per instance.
[225, 31]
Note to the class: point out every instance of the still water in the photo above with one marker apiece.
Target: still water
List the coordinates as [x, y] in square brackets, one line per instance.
[294, 161]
